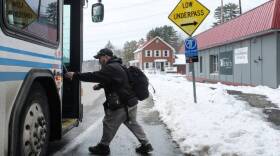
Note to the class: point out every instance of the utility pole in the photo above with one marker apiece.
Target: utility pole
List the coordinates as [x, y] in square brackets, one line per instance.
[222, 11]
[240, 8]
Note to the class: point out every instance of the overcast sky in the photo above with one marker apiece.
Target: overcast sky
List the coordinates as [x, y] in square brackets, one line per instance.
[127, 20]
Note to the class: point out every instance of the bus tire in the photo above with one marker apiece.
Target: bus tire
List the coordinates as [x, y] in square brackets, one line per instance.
[34, 130]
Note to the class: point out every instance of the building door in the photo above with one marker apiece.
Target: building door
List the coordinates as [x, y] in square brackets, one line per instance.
[256, 62]
[157, 65]
[161, 66]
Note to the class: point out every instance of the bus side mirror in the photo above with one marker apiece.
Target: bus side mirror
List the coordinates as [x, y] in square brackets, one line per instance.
[97, 12]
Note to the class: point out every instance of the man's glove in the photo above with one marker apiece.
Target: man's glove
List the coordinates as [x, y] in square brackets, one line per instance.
[69, 75]
[97, 87]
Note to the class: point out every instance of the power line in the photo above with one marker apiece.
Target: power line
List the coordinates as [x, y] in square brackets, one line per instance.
[133, 5]
[134, 19]
[122, 35]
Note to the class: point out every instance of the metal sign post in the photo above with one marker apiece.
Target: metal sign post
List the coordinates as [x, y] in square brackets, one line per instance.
[191, 57]
[194, 87]
[188, 15]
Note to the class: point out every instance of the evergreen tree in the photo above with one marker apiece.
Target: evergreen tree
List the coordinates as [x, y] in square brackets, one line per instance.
[117, 52]
[231, 11]
[109, 45]
[168, 34]
[52, 13]
[128, 49]
[140, 42]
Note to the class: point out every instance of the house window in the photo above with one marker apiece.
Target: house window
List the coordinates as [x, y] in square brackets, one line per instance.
[213, 63]
[146, 65]
[148, 53]
[200, 64]
[166, 53]
[157, 53]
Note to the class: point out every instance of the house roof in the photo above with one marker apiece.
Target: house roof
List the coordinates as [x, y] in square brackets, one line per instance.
[256, 21]
[150, 41]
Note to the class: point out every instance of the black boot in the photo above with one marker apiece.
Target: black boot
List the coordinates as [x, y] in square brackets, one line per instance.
[144, 148]
[99, 149]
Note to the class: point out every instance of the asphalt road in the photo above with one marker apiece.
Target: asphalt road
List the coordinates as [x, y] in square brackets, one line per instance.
[77, 141]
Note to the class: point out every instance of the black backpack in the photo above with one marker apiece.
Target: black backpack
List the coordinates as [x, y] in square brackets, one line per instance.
[139, 82]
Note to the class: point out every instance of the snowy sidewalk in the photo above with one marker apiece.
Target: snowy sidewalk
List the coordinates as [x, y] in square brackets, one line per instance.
[219, 123]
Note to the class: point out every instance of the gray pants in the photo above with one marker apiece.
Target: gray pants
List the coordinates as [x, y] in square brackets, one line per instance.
[113, 120]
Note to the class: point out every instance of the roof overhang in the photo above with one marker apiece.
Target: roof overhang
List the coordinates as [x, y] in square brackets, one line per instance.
[160, 60]
[241, 39]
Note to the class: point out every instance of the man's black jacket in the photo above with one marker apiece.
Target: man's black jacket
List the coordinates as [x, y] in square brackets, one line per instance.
[114, 80]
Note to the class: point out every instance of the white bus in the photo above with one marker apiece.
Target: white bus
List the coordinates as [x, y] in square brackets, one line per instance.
[37, 105]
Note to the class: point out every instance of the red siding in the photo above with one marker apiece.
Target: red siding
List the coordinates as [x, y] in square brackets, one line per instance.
[260, 19]
[157, 46]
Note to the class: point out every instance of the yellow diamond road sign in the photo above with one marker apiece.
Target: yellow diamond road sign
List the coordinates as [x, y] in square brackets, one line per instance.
[188, 15]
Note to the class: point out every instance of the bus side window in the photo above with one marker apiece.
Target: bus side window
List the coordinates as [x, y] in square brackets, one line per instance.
[34, 17]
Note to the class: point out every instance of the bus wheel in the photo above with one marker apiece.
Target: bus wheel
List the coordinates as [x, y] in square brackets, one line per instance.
[35, 123]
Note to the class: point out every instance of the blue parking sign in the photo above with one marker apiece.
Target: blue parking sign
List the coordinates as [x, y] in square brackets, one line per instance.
[191, 50]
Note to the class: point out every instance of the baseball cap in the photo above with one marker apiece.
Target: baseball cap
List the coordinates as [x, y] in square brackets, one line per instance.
[104, 52]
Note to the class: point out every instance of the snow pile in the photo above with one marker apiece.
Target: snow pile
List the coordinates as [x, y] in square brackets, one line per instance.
[273, 95]
[217, 124]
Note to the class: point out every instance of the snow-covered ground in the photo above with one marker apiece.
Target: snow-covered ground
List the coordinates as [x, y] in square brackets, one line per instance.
[218, 124]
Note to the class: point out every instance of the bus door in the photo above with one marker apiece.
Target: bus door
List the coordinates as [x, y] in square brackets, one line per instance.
[72, 110]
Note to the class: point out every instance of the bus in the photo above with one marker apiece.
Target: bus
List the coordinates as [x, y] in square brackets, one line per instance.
[39, 41]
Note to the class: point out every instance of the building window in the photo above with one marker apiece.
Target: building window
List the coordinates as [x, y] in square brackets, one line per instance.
[200, 64]
[166, 53]
[157, 53]
[146, 65]
[213, 63]
[148, 53]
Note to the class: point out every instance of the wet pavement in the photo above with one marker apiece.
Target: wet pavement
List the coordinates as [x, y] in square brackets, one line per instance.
[260, 101]
[77, 141]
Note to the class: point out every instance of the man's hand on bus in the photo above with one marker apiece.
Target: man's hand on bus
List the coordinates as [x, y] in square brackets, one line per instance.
[69, 75]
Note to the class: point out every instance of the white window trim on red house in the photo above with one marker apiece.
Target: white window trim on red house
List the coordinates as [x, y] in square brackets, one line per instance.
[140, 49]
[146, 53]
[164, 52]
[148, 65]
[155, 53]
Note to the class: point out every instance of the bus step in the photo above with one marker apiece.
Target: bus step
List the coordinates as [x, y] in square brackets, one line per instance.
[68, 124]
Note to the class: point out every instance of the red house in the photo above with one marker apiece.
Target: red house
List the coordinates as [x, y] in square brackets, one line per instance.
[154, 54]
